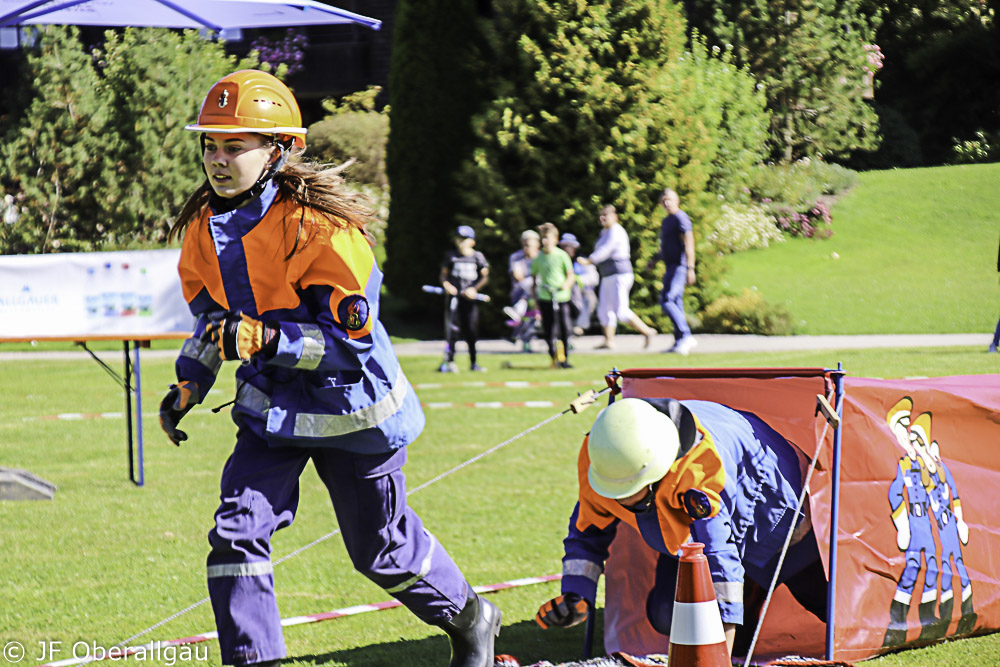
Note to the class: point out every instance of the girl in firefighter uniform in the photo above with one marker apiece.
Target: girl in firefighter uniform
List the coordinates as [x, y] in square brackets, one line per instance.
[278, 269]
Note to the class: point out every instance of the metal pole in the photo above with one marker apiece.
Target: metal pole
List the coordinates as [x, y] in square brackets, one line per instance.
[128, 411]
[138, 413]
[831, 588]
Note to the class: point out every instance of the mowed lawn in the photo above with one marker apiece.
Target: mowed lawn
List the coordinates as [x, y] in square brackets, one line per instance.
[915, 250]
[105, 560]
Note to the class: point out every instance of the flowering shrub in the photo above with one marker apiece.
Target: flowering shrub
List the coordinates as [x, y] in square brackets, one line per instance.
[289, 51]
[813, 222]
[744, 227]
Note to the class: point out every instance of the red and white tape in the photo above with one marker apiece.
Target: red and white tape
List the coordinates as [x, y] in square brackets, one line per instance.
[440, 405]
[155, 647]
[509, 384]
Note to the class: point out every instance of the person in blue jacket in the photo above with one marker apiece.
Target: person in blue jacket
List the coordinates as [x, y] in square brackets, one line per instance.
[278, 269]
[676, 471]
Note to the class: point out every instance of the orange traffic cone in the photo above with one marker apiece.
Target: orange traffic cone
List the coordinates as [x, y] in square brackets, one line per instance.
[696, 635]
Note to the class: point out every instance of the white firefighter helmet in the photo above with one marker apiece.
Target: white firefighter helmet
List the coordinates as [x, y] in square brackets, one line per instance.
[631, 444]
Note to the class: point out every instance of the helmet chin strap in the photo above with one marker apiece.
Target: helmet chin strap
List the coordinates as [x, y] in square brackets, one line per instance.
[225, 204]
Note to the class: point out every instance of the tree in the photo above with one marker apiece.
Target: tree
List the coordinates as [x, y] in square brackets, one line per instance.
[595, 103]
[810, 56]
[51, 154]
[436, 84]
[939, 57]
[154, 83]
[354, 130]
[100, 156]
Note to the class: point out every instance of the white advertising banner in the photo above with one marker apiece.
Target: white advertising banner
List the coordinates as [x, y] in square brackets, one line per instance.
[108, 294]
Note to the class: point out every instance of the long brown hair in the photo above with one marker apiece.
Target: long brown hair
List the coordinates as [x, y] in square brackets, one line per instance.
[311, 185]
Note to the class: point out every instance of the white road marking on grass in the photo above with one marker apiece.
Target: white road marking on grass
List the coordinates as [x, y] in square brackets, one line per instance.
[79, 416]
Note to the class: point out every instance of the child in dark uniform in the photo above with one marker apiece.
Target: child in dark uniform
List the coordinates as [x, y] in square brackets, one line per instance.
[463, 273]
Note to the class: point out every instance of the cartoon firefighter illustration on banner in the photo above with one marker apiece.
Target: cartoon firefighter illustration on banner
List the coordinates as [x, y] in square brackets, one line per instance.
[924, 493]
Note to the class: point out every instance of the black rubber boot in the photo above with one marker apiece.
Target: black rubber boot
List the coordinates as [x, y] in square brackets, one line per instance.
[932, 628]
[472, 632]
[896, 633]
[930, 625]
[944, 611]
[967, 623]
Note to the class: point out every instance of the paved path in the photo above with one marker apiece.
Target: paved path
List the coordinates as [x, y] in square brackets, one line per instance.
[629, 344]
[715, 343]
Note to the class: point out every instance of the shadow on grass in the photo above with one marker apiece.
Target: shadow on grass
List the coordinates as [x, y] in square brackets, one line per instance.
[525, 641]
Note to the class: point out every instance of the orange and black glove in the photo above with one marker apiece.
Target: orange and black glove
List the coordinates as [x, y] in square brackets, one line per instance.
[241, 337]
[178, 402]
[562, 612]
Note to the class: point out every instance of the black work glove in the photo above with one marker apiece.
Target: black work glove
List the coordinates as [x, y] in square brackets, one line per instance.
[562, 612]
[241, 337]
[178, 402]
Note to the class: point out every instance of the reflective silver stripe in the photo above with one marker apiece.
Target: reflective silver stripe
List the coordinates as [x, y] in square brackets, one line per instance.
[728, 591]
[425, 567]
[582, 568]
[206, 354]
[253, 399]
[254, 569]
[327, 426]
[313, 347]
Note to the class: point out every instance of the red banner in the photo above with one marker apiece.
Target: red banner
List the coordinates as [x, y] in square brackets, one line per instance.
[918, 519]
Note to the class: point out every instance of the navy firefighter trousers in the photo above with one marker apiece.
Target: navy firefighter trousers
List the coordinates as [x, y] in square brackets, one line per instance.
[385, 539]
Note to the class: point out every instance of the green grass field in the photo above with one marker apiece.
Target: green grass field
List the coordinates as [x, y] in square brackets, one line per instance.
[105, 560]
[917, 254]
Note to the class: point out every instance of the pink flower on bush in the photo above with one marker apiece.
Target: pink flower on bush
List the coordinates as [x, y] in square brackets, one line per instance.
[874, 57]
[813, 222]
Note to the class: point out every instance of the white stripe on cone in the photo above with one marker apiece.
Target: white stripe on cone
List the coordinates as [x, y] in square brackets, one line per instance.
[697, 624]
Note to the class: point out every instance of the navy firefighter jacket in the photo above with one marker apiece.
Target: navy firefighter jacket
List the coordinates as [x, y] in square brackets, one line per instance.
[734, 488]
[335, 380]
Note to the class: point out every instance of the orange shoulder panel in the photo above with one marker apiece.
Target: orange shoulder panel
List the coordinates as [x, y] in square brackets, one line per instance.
[343, 259]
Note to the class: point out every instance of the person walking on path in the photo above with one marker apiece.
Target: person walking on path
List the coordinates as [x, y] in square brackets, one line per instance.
[554, 278]
[612, 257]
[677, 252]
[277, 267]
[463, 273]
[996, 333]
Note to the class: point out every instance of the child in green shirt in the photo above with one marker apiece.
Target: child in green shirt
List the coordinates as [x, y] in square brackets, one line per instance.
[553, 275]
